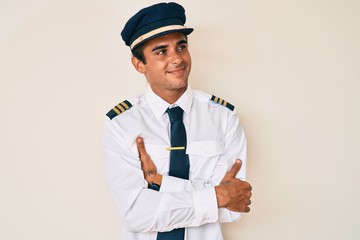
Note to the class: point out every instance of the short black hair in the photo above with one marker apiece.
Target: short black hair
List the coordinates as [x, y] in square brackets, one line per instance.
[138, 52]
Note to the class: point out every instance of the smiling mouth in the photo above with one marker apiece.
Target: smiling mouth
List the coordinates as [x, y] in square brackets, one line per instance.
[177, 71]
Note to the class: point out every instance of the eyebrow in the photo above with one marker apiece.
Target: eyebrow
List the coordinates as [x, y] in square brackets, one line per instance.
[182, 41]
[158, 47]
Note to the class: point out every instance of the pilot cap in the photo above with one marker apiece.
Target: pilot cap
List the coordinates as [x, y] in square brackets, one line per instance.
[154, 21]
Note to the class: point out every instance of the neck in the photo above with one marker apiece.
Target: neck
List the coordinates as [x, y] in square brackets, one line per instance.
[170, 96]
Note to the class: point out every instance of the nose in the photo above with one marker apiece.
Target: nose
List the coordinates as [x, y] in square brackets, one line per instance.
[175, 58]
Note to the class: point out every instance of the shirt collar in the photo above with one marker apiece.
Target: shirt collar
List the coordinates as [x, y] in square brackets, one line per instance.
[159, 106]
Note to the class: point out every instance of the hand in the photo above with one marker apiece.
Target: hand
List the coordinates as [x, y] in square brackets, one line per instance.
[232, 193]
[147, 165]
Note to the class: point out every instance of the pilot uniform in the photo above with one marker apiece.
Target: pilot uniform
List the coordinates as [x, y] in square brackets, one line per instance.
[214, 141]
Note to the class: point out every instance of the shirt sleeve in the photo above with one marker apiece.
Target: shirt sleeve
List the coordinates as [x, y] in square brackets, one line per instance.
[143, 209]
[235, 144]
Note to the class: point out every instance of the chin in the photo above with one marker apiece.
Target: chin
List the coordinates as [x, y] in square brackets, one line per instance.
[178, 86]
[180, 83]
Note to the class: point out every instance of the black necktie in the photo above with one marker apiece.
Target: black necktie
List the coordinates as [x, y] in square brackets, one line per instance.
[179, 161]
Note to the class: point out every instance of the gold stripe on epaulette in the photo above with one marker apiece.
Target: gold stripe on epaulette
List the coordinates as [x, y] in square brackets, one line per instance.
[125, 105]
[116, 110]
[121, 108]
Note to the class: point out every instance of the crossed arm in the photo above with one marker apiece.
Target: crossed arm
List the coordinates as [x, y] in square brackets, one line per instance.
[180, 203]
[232, 193]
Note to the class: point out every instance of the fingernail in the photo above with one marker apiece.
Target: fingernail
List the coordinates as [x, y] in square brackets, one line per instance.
[238, 161]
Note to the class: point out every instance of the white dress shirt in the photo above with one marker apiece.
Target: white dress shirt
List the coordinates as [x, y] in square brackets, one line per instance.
[214, 141]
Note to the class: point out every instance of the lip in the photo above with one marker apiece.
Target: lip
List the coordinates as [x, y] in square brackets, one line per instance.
[177, 71]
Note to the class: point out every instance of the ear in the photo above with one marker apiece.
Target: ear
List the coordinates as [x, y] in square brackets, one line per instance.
[138, 65]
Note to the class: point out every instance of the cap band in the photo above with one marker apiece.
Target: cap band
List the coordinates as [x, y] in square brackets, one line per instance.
[154, 32]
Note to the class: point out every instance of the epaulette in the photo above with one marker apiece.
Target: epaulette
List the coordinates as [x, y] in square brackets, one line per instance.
[118, 109]
[222, 102]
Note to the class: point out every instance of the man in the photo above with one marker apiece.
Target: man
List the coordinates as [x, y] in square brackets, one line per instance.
[172, 156]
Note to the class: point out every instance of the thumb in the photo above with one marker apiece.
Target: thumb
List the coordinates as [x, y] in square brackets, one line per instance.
[141, 147]
[235, 169]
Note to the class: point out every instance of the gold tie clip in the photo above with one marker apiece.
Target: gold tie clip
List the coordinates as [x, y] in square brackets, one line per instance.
[175, 148]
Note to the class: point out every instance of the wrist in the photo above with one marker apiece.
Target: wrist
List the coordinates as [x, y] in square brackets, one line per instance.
[149, 175]
[155, 183]
[220, 196]
[157, 179]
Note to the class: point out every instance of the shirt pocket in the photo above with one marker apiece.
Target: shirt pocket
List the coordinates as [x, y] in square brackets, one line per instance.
[203, 157]
[160, 156]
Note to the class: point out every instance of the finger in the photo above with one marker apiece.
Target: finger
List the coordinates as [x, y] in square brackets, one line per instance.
[235, 169]
[141, 147]
[248, 194]
[246, 209]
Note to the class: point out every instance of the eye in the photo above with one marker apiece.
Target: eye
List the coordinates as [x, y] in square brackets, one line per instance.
[161, 52]
[182, 47]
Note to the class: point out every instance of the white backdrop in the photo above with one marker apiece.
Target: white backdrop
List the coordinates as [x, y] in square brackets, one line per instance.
[292, 68]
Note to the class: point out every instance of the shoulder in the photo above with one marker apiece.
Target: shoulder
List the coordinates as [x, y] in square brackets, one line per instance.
[212, 100]
[122, 107]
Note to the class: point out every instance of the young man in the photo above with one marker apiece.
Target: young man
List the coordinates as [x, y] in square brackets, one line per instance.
[172, 156]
